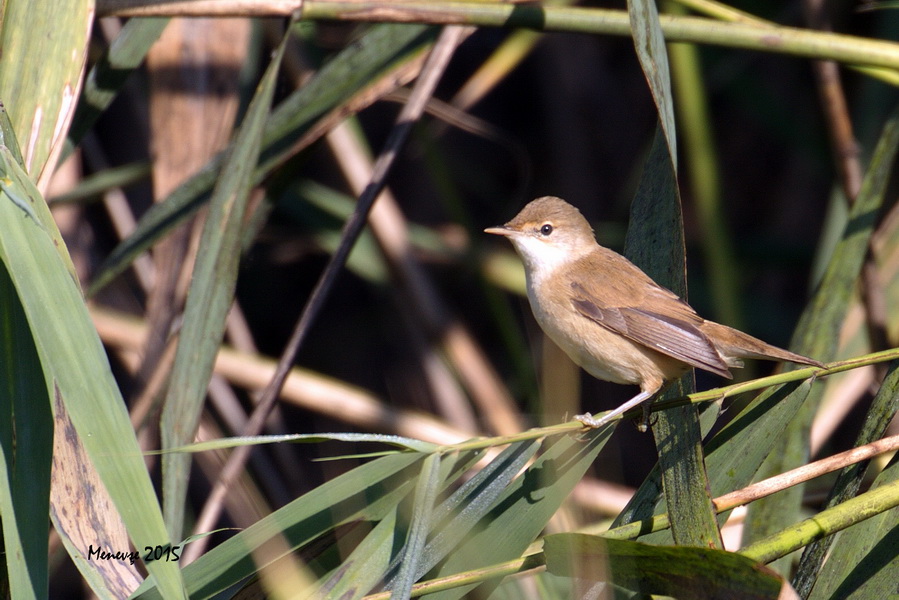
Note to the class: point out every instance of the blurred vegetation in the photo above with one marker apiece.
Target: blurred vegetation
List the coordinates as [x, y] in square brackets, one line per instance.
[186, 255]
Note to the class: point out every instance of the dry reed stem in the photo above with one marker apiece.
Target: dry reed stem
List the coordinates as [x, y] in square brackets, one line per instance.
[303, 388]
[198, 8]
[389, 227]
[806, 473]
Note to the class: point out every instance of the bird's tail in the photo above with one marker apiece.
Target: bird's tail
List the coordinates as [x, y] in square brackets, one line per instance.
[736, 344]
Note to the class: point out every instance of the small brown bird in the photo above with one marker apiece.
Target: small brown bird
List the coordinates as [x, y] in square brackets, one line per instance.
[610, 317]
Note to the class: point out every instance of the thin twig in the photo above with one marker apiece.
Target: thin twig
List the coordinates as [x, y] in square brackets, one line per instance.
[390, 229]
[424, 89]
[836, 111]
[121, 216]
[847, 158]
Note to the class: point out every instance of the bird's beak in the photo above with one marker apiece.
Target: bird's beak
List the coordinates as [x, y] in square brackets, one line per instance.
[500, 231]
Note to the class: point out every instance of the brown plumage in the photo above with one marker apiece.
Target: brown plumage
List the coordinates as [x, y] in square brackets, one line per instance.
[610, 317]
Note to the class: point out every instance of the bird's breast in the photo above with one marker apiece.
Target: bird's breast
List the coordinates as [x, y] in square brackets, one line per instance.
[603, 353]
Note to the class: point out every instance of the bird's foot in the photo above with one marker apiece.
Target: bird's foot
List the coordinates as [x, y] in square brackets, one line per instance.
[588, 420]
[646, 419]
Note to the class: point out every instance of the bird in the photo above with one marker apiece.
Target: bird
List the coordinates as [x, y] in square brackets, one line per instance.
[610, 317]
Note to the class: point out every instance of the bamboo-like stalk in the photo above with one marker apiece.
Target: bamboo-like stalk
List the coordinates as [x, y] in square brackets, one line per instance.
[749, 36]
[826, 522]
[716, 10]
[788, 40]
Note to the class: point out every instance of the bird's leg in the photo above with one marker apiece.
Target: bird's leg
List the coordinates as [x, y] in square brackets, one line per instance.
[591, 421]
[643, 426]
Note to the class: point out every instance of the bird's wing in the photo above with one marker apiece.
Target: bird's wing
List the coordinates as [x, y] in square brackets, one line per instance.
[675, 334]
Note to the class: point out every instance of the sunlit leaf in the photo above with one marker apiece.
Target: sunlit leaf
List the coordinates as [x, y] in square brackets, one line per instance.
[75, 366]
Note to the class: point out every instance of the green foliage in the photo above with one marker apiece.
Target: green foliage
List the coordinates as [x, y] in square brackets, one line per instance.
[464, 506]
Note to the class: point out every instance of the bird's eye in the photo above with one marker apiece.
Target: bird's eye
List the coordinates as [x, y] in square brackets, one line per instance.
[546, 229]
